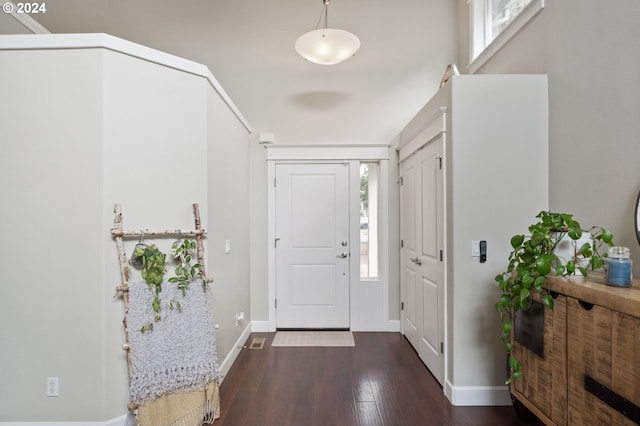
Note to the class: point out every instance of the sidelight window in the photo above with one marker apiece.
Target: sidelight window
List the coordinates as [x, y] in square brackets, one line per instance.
[369, 214]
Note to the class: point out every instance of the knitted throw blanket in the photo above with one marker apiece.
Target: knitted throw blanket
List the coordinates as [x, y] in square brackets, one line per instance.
[179, 353]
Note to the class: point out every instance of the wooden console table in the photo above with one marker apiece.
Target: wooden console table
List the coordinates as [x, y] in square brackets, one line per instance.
[589, 371]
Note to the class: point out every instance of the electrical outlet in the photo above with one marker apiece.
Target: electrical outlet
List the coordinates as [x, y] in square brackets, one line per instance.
[239, 318]
[53, 388]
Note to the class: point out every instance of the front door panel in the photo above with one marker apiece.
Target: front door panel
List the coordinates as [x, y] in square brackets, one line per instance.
[312, 248]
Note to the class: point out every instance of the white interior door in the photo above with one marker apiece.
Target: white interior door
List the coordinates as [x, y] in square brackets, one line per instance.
[312, 246]
[422, 200]
[431, 261]
[409, 196]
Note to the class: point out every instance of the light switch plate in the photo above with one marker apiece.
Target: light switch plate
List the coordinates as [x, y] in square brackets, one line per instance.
[227, 246]
[475, 248]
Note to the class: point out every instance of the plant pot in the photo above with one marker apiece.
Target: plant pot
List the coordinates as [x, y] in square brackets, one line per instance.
[567, 249]
[137, 260]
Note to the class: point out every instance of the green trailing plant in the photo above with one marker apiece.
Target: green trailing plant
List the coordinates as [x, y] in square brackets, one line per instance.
[533, 258]
[152, 272]
[185, 271]
[152, 262]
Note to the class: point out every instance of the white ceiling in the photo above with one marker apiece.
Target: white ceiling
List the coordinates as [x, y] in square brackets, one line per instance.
[248, 46]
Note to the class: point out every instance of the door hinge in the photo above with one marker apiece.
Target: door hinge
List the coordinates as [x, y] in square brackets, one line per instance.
[441, 347]
[402, 306]
[275, 242]
[275, 303]
[401, 181]
[274, 182]
[401, 243]
[440, 163]
[440, 255]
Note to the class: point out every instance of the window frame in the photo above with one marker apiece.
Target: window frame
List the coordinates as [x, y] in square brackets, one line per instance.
[479, 50]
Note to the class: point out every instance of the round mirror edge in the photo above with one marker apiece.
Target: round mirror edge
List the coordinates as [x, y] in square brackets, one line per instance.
[636, 218]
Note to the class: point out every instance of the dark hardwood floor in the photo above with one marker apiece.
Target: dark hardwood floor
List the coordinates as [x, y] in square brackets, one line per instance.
[380, 381]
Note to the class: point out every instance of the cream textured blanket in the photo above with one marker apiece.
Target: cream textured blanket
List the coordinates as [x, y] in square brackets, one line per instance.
[183, 409]
[178, 355]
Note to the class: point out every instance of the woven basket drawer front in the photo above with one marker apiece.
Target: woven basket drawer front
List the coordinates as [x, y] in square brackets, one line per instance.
[544, 378]
[604, 345]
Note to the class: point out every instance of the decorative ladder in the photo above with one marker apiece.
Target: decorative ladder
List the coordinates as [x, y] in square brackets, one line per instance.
[118, 233]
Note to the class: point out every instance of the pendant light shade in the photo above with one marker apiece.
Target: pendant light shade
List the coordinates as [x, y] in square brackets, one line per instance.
[327, 46]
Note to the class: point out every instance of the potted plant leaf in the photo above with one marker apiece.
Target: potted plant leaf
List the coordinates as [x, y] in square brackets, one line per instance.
[185, 272]
[533, 257]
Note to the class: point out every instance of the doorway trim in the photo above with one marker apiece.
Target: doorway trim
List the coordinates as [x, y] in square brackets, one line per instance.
[362, 315]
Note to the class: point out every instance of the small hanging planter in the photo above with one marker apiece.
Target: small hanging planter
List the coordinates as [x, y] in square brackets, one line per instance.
[136, 259]
[152, 272]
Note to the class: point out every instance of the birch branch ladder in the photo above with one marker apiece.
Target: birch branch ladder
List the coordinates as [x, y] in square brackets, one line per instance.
[118, 234]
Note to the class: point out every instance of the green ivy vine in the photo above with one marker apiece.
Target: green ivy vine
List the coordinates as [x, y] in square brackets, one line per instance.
[152, 262]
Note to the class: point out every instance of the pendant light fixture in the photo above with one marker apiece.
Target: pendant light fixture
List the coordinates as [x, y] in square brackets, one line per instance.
[327, 46]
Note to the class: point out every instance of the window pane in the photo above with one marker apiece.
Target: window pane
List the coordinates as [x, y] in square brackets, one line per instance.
[369, 220]
[501, 13]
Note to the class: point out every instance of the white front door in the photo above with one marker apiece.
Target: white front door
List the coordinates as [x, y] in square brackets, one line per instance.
[422, 201]
[312, 245]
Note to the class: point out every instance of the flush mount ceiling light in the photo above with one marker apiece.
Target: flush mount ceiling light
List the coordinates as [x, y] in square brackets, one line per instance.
[327, 46]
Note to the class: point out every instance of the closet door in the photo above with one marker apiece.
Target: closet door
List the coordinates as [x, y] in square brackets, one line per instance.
[409, 201]
[431, 258]
[422, 228]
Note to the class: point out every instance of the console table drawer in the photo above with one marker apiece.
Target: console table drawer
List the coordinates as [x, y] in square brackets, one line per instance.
[603, 352]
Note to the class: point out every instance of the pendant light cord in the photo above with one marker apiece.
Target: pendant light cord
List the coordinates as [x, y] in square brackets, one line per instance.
[325, 14]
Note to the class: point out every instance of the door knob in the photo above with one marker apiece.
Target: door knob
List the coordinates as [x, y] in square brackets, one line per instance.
[416, 260]
[342, 255]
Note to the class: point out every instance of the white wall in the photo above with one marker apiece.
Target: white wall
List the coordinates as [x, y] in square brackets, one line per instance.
[53, 235]
[228, 219]
[84, 129]
[487, 201]
[589, 49]
[259, 245]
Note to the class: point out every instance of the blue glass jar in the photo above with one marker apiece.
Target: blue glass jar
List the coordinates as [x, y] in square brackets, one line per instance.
[617, 270]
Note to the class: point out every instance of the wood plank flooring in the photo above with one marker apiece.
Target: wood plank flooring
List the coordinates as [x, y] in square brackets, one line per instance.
[379, 382]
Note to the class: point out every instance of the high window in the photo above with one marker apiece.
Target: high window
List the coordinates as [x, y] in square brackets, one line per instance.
[493, 22]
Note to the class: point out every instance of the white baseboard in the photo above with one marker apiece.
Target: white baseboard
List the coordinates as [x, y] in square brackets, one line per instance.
[225, 365]
[260, 326]
[393, 325]
[477, 395]
[118, 421]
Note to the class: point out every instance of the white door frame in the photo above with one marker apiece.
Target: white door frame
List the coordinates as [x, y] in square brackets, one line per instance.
[353, 154]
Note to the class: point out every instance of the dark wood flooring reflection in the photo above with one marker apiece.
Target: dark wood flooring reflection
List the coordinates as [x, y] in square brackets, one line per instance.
[380, 381]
